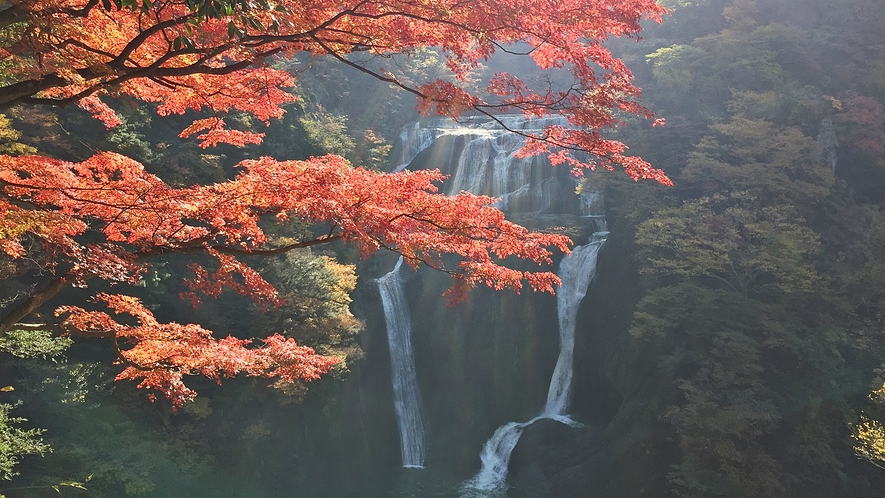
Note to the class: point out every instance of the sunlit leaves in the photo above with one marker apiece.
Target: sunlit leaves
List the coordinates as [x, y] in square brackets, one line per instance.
[212, 55]
[15, 442]
[141, 216]
[34, 343]
[9, 137]
[234, 275]
[159, 355]
[869, 438]
[106, 217]
[671, 67]
[133, 216]
[316, 302]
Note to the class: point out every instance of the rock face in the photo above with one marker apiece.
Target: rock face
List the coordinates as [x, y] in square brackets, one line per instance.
[553, 460]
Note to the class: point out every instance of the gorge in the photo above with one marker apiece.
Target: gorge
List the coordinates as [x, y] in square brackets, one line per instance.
[481, 157]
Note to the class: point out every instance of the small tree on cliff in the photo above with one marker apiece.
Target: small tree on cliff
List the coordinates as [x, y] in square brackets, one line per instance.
[106, 217]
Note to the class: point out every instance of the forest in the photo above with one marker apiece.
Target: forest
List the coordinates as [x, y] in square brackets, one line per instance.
[217, 215]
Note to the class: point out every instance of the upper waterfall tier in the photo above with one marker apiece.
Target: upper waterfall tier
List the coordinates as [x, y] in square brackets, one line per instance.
[480, 156]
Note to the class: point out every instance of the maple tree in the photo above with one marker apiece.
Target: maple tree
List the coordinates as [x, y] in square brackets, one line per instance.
[213, 56]
[106, 217]
[139, 217]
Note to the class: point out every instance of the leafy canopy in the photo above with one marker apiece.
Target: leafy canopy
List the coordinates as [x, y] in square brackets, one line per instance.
[106, 218]
[213, 56]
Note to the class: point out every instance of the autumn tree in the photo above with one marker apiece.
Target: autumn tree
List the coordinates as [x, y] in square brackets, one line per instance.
[213, 56]
[106, 218]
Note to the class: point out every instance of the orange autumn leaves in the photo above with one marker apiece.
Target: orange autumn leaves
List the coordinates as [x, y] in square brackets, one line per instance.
[106, 217]
[141, 217]
[138, 216]
[65, 51]
[159, 355]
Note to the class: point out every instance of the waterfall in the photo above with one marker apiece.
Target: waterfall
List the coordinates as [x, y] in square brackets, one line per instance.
[406, 398]
[481, 157]
[485, 160]
[488, 165]
[414, 138]
[495, 458]
[576, 270]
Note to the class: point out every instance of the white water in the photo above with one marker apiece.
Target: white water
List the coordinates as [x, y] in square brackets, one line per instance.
[576, 270]
[406, 398]
[414, 138]
[495, 458]
[486, 162]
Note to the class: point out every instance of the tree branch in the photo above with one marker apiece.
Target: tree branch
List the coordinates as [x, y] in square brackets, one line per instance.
[33, 302]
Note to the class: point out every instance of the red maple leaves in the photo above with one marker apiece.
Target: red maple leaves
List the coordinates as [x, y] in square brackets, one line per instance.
[159, 355]
[142, 217]
[139, 217]
[60, 51]
[106, 217]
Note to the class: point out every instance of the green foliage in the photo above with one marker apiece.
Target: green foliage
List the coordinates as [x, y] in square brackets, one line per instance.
[198, 408]
[775, 165]
[316, 291]
[672, 65]
[107, 432]
[9, 139]
[328, 133]
[734, 362]
[127, 140]
[372, 152]
[34, 343]
[763, 278]
[16, 442]
[732, 241]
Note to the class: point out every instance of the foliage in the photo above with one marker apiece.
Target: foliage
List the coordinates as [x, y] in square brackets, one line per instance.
[327, 133]
[670, 67]
[861, 267]
[16, 442]
[777, 166]
[105, 217]
[732, 241]
[869, 437]
[32, 344]
[9, 137]
[161, 354]
[183, 57]
[759, 312]
[140, 217]
[316, 310]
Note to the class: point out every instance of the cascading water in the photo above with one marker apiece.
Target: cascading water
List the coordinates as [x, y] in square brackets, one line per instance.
[414, 138]
[495, 458]
[486, 162]
[481, 157]
[576, 270]
[406, 398]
